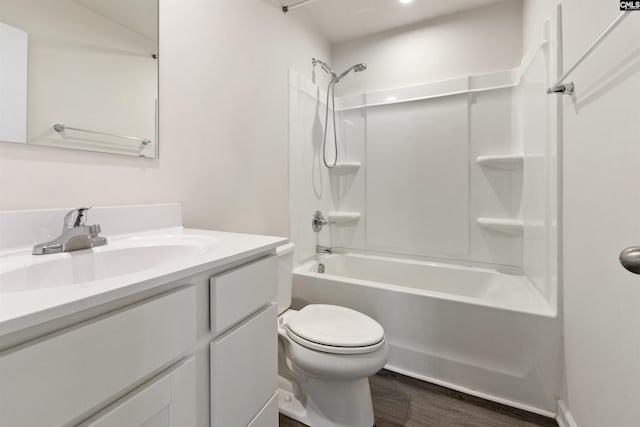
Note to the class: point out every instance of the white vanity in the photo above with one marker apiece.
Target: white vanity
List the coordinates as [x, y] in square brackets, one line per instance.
[164, 326]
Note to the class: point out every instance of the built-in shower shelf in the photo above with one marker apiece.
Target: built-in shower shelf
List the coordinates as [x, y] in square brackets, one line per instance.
[503, 162]
[503, 225]
[345, 168]
[344, 217]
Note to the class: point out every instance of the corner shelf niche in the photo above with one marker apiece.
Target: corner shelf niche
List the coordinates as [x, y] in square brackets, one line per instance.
[345, 168]
[502, 162]
[342, 218]
[502, 225]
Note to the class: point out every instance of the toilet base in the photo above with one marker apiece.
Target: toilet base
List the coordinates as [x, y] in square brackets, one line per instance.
[327, 403]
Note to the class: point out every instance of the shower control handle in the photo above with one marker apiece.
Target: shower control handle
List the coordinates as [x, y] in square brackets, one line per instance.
[318, 221]
[630, 259]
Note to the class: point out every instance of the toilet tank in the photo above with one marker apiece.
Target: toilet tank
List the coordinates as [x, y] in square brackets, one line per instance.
[285, 276]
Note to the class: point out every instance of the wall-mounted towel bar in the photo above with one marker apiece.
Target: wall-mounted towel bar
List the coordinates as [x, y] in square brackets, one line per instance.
[60, 128]
[568, 88]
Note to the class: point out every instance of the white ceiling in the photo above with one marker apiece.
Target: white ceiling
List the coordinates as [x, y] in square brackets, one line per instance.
[344, 20]
[140, 16]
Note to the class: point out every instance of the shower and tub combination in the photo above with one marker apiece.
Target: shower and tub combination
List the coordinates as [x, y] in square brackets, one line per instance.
[474, 329]
[440, 221]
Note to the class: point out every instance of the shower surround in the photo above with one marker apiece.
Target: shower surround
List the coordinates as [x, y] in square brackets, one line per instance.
[445, 202]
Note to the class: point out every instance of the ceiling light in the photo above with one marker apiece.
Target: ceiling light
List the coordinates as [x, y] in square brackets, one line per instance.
[405, 1]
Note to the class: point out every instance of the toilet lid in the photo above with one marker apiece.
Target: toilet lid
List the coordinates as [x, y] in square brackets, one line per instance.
[335, 326]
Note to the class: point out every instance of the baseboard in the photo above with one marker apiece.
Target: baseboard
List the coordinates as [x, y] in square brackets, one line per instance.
[563, 416]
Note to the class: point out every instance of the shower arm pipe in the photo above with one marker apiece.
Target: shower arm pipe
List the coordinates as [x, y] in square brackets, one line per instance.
[287, 8]
[568, 88]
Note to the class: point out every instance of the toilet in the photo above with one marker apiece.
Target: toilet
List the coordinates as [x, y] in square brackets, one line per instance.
[325, 355]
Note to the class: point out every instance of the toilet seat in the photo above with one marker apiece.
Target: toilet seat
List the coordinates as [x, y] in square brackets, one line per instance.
[334, 349]
[334, 329]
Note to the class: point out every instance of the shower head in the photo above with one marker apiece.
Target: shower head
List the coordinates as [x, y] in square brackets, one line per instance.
[357, 68]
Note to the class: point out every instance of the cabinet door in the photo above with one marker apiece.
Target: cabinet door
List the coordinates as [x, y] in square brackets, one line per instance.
[244, 370]
[268, 415]
[168, 401]
[58, 379]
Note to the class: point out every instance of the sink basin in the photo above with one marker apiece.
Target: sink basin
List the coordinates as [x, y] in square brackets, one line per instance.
[121, 257]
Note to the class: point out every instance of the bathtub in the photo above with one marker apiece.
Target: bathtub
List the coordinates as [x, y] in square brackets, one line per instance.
[475, 330]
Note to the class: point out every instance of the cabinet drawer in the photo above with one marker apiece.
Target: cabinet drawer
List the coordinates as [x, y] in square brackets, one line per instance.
[268, 416]
[244, 370]
[59, 378]
[238, 293]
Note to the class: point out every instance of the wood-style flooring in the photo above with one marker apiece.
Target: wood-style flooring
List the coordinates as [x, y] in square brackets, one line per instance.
[403, 401]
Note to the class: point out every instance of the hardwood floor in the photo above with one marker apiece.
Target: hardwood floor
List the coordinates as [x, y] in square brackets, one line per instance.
[400, 401]
[288, 422]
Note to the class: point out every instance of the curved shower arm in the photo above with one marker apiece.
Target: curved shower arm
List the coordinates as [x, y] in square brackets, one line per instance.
[334, 77]
[325, 67]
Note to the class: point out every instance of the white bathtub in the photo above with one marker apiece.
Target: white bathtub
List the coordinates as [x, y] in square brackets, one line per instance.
[472, 329]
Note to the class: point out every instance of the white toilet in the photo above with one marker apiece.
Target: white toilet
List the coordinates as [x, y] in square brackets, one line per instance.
[325, 355]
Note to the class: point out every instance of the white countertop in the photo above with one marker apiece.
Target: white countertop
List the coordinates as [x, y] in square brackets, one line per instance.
[23, 308]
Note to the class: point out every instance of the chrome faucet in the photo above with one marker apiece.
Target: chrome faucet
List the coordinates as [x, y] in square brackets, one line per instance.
[318, 221]
[323, 250]
[75, 235]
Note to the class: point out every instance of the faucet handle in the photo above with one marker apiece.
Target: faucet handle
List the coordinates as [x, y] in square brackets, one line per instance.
[319, 221]
[75, 218]
[94, 230]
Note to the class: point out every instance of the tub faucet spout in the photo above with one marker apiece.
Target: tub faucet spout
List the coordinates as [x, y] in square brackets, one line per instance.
[323, 250]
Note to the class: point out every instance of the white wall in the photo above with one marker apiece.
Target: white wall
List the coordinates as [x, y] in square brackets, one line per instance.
[475, 41]
[600, 213]
[223, 125]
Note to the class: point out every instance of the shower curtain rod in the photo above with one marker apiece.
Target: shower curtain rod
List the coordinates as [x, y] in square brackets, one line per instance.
[289, 7]
[568, 88]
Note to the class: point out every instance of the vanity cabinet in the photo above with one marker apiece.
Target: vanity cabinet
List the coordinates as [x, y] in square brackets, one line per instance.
[244, 353]
[201, 351]
[58, 379]
[165, 326]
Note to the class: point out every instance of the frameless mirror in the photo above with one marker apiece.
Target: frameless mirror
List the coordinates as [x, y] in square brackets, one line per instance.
[80, 74]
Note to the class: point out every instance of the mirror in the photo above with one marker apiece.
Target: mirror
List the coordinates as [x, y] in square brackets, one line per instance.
[80, 74]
